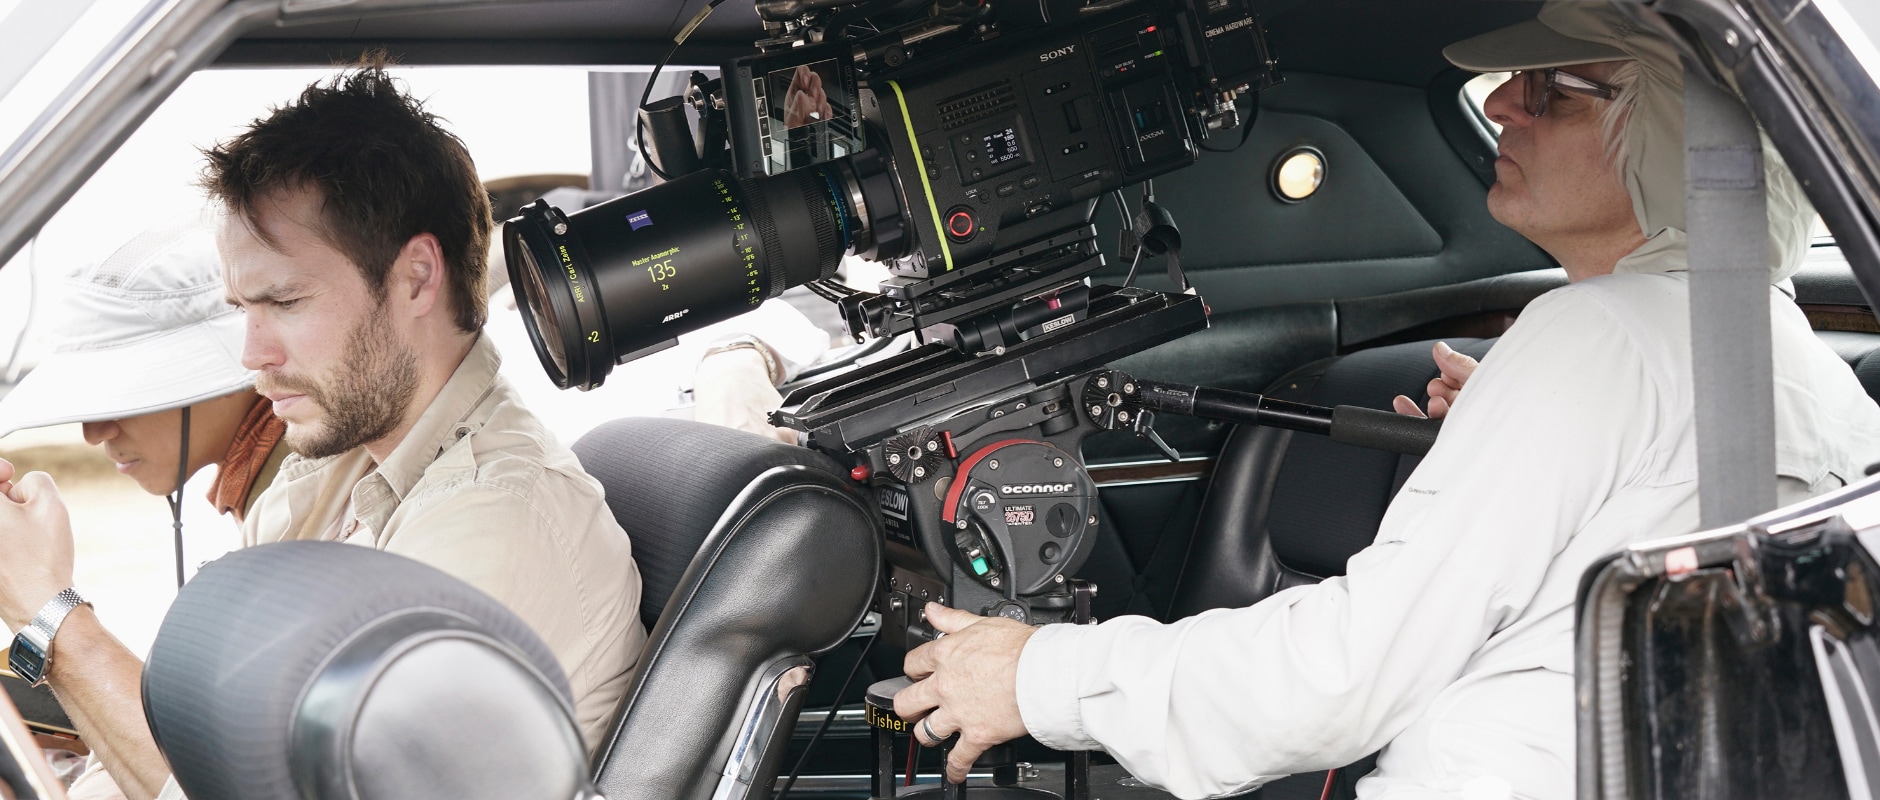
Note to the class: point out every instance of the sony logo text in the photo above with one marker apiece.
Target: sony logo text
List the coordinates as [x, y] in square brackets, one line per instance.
[1058, 53]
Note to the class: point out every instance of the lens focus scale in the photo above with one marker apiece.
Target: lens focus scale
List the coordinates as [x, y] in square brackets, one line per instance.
[668, 260]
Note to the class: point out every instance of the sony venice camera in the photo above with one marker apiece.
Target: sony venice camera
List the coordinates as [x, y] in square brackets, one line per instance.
[964, 145]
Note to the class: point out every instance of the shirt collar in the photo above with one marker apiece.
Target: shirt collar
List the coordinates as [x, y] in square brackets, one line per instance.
[440, 424]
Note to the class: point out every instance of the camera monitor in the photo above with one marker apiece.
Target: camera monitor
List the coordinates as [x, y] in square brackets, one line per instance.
[793, 109]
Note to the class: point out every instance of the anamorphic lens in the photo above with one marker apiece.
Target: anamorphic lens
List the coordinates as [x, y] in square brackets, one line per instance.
[625, 278]
[533, 299]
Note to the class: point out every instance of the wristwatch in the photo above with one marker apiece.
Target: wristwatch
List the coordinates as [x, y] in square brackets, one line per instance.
[28, 657]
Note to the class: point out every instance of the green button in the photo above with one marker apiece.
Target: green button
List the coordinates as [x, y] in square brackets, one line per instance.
[979, 566]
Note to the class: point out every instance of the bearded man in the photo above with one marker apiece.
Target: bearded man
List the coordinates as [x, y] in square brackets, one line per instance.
[1448, 643]
[354, 241]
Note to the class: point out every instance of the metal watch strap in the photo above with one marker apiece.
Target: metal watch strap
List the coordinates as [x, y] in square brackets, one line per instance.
[53, 613]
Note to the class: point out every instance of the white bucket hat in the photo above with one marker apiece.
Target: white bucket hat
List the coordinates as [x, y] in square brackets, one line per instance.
[147, 330]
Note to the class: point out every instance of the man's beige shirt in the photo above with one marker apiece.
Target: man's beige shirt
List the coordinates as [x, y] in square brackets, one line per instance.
[481, 490]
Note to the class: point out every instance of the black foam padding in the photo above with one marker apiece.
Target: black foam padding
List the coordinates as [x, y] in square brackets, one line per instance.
[668, 481]
[36, 705]
[1383, 430]
[245, 637]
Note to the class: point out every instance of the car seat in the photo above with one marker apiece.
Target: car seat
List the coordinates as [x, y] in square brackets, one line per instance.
[754, 556]
[335, 672]
[330, 671]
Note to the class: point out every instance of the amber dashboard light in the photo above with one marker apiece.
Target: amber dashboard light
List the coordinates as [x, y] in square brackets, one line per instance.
[1298, 173]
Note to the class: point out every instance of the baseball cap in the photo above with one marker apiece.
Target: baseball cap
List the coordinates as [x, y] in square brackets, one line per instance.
[1651, 166]
[146, 330]
[1565, 33]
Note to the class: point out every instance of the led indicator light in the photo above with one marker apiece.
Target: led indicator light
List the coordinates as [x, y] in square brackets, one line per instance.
[980, 567]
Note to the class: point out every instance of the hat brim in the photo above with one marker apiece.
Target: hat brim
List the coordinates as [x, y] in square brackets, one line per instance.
[1527, 45]
[179, 368]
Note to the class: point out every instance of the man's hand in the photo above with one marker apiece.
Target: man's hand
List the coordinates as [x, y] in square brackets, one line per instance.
[1456, 369]
[805, 101]
[967, 683]
[36, 536]
[732, 388]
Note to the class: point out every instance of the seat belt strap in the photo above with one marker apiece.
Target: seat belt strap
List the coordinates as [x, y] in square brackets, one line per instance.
[1728, 229]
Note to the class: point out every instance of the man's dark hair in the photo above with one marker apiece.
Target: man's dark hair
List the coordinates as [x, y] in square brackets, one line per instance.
[385, 170]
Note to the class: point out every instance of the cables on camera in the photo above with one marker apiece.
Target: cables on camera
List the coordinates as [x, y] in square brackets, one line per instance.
[783, 790]
[646, 94]
[1153, 229]
[1246, 127]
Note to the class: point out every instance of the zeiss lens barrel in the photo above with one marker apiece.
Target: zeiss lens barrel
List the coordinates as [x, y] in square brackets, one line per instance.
[625, 278]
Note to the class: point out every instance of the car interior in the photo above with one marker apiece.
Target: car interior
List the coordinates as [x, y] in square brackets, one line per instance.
[1331, 299]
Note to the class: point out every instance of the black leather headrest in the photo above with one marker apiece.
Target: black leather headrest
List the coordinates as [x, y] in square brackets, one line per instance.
[701, 469]
[335, 672]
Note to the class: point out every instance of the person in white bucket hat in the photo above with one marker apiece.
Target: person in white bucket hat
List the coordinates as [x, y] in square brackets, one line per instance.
[1449, 642]
[147, 354]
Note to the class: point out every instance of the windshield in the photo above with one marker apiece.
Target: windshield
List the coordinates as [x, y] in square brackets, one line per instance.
[1860, 17]
[47, 49]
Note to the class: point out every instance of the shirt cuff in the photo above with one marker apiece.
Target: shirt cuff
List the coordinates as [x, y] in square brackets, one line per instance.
[171, 791]
[1048, 700]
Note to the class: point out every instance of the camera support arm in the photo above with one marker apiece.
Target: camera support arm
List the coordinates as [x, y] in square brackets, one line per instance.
[1114, 400]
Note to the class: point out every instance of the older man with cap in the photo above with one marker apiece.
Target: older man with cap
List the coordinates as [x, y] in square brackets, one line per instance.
[148, 356]
[1449, 643]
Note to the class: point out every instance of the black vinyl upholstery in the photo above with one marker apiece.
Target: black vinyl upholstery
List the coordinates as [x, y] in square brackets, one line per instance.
[753, 555]
[326, 671]
[1286, 509]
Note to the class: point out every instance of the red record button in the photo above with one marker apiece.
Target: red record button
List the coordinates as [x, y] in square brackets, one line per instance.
[960, 224]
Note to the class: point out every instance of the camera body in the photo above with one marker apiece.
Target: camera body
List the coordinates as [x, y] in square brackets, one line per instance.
[1000, 130]
[965, 145]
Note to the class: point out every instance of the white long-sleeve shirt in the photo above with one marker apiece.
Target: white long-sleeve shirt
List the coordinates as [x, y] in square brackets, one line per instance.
[1449, 642]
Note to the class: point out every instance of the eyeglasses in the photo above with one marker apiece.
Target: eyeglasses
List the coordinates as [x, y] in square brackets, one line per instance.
[1538, 84]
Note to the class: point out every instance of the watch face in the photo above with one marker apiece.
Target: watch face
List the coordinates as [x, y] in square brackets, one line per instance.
[27, 660]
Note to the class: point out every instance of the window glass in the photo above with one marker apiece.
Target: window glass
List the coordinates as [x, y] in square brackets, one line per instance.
[46, 47]
[125, 557]
[1476, 92]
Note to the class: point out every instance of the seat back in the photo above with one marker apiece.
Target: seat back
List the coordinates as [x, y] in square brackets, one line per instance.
[754, 556]
[1285, 509]
[326, 671]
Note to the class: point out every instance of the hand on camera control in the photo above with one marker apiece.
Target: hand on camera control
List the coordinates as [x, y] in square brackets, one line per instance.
[966, 682]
